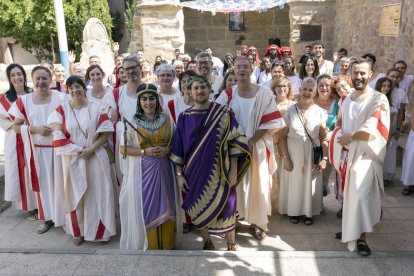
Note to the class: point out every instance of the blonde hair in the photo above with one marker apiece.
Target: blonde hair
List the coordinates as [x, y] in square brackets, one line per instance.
[279, 81]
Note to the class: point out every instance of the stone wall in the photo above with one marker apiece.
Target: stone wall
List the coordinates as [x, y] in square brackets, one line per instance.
[313, 12]
[357, 29]
[205, 30]
[158, 29]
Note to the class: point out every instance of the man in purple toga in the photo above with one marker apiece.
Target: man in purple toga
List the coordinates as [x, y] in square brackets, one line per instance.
[211, 156]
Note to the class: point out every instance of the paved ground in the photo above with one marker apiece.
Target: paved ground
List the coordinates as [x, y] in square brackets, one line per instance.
[288, 250]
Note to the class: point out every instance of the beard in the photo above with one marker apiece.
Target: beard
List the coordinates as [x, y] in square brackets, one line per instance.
[360, 84]
[201, 101]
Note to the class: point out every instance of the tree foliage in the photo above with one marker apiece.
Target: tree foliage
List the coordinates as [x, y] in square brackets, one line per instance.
[32, 23]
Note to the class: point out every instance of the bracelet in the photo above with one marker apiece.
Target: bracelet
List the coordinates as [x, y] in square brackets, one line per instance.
[285, 156]
[142, 151]
[179, 176]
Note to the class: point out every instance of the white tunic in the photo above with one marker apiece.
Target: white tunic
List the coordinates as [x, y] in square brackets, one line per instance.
[301, 189]
[51, 195]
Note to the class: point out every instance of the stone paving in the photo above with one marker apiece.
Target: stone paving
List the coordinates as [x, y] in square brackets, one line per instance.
[288, 250]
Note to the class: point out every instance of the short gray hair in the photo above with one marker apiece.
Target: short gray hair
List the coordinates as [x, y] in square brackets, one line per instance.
[178, 62]
[204, 54]
[309, 80]
[132, 58]
[165, 67]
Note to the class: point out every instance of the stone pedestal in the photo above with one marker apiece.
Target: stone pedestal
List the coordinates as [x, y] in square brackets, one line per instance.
[158, 29]
[96, 42]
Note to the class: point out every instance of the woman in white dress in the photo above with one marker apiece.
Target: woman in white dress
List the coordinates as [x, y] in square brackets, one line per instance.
[300, 142]
[16, 175]
[95, 75]
[79, 133]
[283, 90]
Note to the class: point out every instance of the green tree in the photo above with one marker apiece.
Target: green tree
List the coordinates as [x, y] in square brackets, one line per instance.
[32, 23]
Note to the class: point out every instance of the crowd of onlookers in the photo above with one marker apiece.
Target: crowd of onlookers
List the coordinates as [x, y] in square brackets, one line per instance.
[308, 89]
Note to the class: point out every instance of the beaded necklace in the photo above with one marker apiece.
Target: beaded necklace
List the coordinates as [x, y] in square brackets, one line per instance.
[151, 124]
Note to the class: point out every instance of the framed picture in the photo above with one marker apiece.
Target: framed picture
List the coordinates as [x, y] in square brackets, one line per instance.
[236, 21]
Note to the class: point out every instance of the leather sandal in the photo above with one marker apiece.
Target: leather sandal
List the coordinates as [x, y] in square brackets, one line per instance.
[363, 248]
[208, 245]
[232, 246]
[78, 240]
[294, 220]
[307, 221]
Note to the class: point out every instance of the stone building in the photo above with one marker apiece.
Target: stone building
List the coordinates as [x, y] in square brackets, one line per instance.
[161, 26]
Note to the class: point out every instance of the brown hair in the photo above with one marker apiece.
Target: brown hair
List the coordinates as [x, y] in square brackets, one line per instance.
[90, 68]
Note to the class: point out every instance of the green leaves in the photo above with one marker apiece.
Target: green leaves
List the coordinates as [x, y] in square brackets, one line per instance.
[33, 23]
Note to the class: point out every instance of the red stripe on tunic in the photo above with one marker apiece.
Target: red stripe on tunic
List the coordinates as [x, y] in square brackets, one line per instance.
[104, 117]
[268, 165]
[33, 173]
[21, 108]
[171, 107]
[75, 224]
[100, 232]
[229, 93]
[61, 143]
[21, 164]
[4, 102]
[116, 98]
[382, 129]
[62, 113]
[40, 206]
[271, 116]
[332, 145]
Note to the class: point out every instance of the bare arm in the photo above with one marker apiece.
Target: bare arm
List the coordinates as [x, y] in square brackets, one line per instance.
[257, 136]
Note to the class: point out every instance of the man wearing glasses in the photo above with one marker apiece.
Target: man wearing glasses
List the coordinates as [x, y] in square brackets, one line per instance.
[204, 65]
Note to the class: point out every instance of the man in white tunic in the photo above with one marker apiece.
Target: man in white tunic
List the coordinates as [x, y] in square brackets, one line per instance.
[365, 125]
[258, 116]
[121, 103]
[34, 109]
[204, 67]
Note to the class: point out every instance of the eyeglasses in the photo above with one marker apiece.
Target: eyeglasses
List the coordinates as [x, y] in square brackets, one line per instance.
[282, 86]
[201, 63]
[131, 68]
[166, 75]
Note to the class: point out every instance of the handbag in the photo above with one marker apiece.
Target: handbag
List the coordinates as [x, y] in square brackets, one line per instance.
[317, 150]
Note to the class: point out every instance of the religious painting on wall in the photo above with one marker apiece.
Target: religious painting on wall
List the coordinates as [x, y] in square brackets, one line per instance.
[390, 20]
[236, 21]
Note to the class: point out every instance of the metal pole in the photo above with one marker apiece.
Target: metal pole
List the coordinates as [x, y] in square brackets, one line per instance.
[61, 30]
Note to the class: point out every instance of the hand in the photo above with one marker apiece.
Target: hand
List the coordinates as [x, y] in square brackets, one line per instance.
[251, 143]
[233, 177]
[335, 56]
[161, 151]
[86, 153]
[41, 130]
[182, 183]
[322, 165]
[397, 134]
[288, 164]
[71, 56]
[345, 139]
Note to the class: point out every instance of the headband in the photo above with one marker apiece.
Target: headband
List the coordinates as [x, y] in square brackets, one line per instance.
[199, 78]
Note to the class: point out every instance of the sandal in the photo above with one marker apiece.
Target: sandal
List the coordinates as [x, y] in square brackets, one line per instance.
[338, 235]
[363, 248]
[232, 246]
[32, 215]
[294, 220]
[258, 233]
[408, 190]
[307, 221]
[78, 240]
[208, 245]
